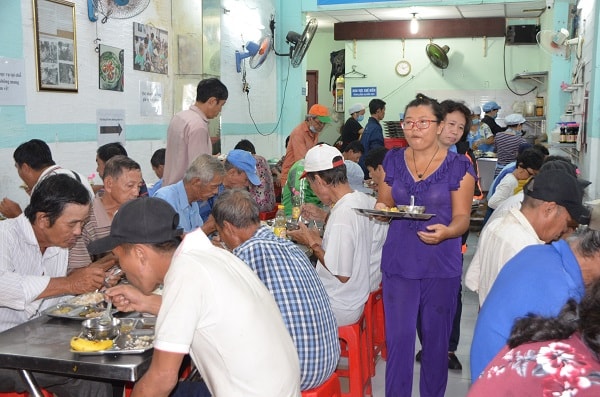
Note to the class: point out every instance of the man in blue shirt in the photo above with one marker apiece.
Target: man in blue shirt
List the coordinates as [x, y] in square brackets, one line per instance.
[539, 280]
[200, 182]
[372, 136]
[240, 172]
[290, 277]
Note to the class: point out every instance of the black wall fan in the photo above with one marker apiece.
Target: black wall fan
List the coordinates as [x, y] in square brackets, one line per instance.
[438, 55]
[299, 43]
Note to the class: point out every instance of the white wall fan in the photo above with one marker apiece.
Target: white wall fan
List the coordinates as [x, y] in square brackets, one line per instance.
[558, 43]
[299, 43]
[257, 52]
[118, 9]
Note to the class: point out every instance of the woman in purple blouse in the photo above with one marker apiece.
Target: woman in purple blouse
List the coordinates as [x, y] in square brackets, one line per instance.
[421, 261]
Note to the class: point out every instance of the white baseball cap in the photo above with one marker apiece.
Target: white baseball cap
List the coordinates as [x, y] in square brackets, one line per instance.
[356, 108]
[322, 157]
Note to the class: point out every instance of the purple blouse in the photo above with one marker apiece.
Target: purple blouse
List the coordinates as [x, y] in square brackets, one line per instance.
[404, 254]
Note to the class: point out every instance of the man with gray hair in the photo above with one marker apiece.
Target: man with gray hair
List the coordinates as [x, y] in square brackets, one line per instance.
[200, 182]
[288, 274]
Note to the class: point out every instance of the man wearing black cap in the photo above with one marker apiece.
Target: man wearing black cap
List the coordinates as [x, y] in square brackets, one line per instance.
[552, 199]
[539, 279]
[213, 307]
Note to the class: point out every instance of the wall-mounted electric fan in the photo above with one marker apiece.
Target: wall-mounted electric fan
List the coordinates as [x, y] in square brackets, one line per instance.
[438, 55]
[558, 43]
[299, 43]
[257, 52]
[118, 9]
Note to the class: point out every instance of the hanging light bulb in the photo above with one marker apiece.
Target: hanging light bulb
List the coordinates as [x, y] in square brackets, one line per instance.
[414, 24]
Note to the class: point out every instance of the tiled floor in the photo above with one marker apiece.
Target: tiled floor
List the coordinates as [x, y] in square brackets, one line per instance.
[458, 381]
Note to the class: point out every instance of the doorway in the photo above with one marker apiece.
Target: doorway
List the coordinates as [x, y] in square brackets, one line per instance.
[312, 88]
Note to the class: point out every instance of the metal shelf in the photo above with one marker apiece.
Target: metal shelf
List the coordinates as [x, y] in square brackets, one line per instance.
[538, 77]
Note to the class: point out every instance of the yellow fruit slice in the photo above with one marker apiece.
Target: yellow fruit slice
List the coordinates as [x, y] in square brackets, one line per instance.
[84, 345]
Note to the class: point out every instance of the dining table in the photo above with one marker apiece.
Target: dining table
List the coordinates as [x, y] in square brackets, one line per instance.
[43, 345]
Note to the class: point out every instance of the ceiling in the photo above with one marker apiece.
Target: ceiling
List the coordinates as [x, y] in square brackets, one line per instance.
[525, 9]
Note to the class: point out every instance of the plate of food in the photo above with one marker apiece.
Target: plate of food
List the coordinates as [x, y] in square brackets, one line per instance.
[80, 307]
[135, 336]
[393, 213]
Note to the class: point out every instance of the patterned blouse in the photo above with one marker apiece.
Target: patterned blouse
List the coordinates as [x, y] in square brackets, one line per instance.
[264, 194]
[561, 368]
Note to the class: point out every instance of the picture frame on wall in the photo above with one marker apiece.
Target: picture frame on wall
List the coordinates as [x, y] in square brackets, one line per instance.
[150, 49]
[111, 68]
[55, 45]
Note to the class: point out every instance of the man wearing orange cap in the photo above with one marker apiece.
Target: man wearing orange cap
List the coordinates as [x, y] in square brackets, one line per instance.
[304, 137]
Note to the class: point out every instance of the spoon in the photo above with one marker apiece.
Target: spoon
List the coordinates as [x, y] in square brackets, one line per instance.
[412, 204]
[106, 318]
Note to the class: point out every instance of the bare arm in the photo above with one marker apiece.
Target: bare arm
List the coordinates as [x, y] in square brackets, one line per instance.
[161, 377]
[127, 298]
[79, 281]
[462, 199]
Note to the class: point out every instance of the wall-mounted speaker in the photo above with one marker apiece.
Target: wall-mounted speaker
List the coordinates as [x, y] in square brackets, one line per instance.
[521, 34]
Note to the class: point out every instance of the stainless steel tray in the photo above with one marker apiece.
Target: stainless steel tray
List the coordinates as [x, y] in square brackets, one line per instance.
[393, 214]
[137, 336]
[76, 312]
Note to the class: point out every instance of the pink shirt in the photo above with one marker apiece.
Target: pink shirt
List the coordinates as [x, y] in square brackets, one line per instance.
[187, 138]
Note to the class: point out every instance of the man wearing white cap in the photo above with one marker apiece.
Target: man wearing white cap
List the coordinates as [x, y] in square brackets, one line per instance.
[352, 129]
[344, 251]
[508, 142]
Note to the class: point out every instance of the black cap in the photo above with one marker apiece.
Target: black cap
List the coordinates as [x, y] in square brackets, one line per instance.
[558, 186]
[147, 220]
[567, 166]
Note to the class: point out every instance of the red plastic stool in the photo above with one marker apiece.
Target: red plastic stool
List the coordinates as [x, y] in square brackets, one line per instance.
[331, 388]
[375, 319]
[45, 392]
[266, 215]
[353, 343]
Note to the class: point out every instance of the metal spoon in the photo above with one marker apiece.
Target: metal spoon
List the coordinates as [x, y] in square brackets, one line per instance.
[412, 204]
[106, 318]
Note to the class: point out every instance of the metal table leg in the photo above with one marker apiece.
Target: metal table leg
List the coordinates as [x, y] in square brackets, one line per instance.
[31, 383]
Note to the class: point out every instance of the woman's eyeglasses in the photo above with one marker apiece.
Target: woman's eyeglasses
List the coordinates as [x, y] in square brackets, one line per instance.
[420, 124]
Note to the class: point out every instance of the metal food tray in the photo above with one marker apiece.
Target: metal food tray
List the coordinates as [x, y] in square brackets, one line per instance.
[74, 312]
[393, 214]
[131, 329]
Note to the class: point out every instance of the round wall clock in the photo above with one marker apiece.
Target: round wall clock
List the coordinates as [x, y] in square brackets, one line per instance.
[403, 68]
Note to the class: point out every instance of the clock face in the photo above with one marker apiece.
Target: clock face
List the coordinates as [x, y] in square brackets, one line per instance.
[403, 68]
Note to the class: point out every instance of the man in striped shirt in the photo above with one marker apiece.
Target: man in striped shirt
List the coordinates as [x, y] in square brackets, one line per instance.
[33, 265]
[290, 277]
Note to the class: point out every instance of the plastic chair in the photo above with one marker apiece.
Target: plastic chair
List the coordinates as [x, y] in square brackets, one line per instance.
[353, 342]
[375, 319]
[331, 388]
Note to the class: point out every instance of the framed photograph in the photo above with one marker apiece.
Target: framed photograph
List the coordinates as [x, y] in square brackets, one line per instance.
[150, 49]
[110, 68]
[55, 45]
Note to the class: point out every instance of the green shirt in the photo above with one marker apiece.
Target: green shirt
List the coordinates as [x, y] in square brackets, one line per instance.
[293, 181]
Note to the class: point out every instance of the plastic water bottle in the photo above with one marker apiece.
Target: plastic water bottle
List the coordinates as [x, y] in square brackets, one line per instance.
[279, 227]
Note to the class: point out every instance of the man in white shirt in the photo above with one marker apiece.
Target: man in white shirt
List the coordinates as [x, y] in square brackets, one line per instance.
[213, 307]
[552, 200]
[344, 252]
[33, 160]
[33, 265]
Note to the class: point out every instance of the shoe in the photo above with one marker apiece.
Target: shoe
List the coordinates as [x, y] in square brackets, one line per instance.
[453, 362]
[418, 356]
